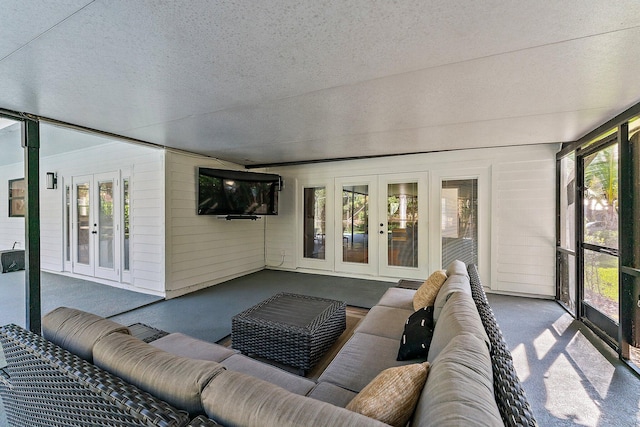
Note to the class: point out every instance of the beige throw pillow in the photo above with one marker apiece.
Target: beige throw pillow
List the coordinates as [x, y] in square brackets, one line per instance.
[428, 291]
[392, 395]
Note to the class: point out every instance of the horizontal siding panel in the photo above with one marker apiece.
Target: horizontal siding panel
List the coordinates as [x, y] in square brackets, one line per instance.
[526, 288]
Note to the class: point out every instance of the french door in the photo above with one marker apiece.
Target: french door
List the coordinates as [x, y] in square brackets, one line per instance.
[95, 238]
[377, 225]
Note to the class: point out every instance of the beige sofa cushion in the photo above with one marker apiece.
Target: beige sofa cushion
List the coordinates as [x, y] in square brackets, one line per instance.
[459, 389]
[236, 399]
[459, 316]
[427, 292]
[392, 395]
[174, 379]
[77, 331]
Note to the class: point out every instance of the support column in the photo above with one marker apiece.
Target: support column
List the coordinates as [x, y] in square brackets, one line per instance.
[31, 145]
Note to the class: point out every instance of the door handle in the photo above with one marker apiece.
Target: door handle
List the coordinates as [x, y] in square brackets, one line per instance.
[94, 232]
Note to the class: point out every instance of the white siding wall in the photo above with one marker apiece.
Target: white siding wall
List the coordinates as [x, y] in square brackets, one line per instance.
[204, 250]
[144, 165]
[524, 225]
[11, 229]
[517, 223]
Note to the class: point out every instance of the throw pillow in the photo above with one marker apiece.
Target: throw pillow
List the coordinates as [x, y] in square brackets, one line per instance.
[427, 292]
[417, 335]
[391, 396]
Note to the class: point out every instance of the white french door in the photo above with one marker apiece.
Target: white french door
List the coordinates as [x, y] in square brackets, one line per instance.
[95, 237]
[402, 225]
[377, 225]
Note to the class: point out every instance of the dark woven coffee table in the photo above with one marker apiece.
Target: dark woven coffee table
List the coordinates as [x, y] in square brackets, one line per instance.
[292, 329]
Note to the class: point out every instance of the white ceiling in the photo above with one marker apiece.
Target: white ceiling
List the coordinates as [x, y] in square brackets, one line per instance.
[284, 81]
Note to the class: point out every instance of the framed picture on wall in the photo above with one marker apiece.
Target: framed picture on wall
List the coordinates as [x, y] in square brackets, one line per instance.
[17, 190]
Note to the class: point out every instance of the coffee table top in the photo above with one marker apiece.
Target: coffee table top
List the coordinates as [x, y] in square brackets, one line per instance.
[296, 310]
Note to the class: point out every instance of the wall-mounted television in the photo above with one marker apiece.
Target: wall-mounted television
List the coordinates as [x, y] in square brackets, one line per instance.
[237, 193]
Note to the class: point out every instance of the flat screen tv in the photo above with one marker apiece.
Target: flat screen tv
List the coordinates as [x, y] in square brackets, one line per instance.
[237, 193]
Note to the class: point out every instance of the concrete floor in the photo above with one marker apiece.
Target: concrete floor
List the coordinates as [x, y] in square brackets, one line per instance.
[571, 377]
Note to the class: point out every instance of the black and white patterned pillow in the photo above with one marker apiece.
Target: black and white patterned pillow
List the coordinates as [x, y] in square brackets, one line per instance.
[417, 335]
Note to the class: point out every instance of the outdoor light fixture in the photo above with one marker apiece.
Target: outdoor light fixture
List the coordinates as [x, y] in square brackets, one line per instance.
[52, 180]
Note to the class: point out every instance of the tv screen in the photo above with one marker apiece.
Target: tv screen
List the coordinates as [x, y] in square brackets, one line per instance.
[227, 192]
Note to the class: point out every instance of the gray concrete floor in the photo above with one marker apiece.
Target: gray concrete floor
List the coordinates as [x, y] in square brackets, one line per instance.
[571, 377]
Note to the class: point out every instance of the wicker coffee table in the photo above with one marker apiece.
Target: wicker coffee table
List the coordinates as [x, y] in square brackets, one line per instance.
[292, 329]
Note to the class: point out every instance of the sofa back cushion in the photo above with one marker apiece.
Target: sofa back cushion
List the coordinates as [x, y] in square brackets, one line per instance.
[77, 331]
[459, 316]
[457, 267]
[459, 388]
[236, 399]
[174, 379]
[455, 283]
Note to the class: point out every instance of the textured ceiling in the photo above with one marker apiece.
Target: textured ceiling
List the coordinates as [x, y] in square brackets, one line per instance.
[284, 81]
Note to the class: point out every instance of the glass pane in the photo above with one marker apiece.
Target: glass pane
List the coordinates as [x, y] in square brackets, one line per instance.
[402, 223]
[567, 272]
[459, 221]
[601, 198]
[105, 232]
[126, 207]
[567, 202]
[355, 224]
[601, 282]
[314, 222]
[83, 225]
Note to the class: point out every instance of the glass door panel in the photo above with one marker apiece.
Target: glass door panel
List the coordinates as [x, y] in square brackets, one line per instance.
[82, 226]
[355, 231]
[600, 266]
[105, 224]
[355, 224]
[402, 224]
[106, 221]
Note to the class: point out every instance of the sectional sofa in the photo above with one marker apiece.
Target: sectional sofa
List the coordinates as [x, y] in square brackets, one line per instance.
[86, 369]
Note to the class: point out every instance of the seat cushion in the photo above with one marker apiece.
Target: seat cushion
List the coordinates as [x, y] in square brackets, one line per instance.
[288, 381]
[78, 331]
[459, 388]
[193, 348]
[362, 358]
[332, 393]
[384, 322]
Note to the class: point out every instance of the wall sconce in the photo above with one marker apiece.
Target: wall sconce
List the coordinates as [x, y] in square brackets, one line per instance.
[52, 180]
